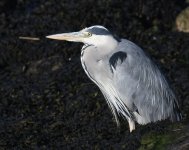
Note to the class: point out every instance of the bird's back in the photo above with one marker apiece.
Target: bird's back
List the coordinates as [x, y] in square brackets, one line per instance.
[142, 86]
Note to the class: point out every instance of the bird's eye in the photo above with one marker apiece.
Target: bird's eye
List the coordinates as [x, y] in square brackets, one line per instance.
[89, 34]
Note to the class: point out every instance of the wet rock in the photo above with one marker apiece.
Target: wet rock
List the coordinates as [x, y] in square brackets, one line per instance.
[175, 138]
[182, 20]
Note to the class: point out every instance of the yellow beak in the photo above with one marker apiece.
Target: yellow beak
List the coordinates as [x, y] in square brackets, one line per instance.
[73, 36]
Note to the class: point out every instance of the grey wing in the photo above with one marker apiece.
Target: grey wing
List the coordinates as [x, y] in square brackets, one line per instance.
[141, 85]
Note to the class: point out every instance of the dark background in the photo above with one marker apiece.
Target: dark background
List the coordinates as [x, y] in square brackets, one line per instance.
[47, 101]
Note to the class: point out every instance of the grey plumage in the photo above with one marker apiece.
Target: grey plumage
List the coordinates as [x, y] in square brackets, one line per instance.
[131, 83]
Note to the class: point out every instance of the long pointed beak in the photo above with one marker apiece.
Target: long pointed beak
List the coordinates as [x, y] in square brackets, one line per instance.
[73, 36]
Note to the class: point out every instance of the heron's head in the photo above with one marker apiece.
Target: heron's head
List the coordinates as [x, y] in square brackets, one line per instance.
[94, 35]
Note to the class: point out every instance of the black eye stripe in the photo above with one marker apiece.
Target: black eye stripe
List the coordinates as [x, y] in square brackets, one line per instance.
[99, 31]
[102, 31]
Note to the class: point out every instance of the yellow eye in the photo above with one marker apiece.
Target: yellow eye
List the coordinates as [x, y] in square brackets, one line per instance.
[88, 34]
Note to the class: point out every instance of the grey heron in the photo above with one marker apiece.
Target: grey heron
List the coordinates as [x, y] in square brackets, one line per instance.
[131, 83]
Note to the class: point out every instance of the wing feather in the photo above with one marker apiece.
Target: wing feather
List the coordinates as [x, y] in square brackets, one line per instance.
[138, 75]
